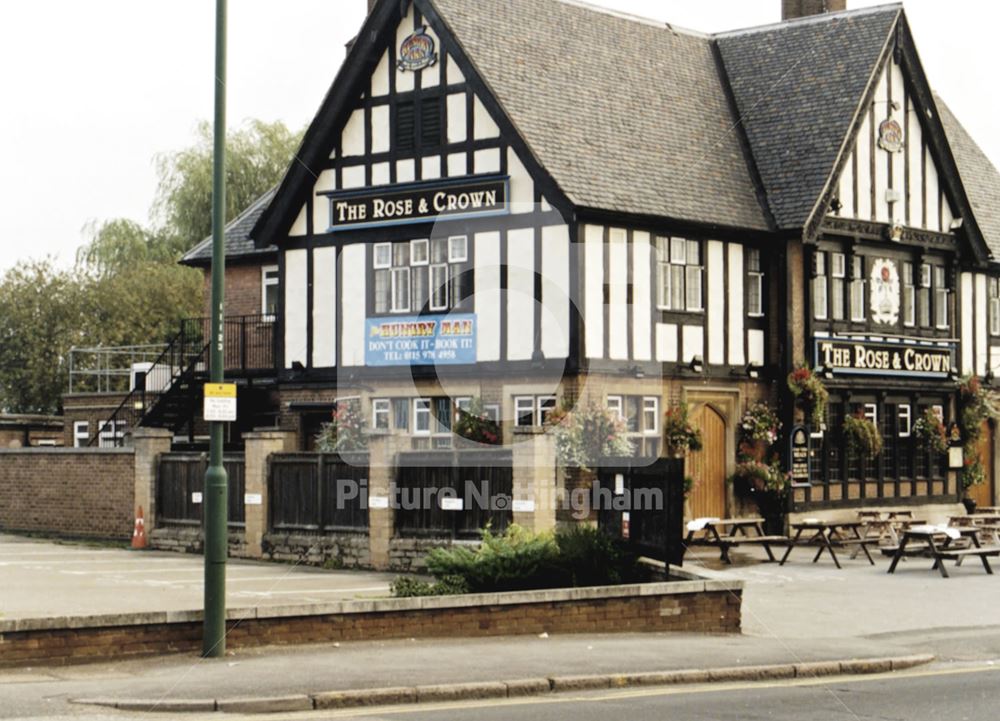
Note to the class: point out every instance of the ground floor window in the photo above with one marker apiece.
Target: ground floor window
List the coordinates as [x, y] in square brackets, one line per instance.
[904, 459]
[642, 419]
[81, 434]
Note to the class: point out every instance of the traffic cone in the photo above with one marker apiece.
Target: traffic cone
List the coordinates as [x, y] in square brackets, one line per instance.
[139, 534]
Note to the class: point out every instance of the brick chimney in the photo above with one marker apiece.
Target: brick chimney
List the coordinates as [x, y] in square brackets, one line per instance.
[792, 9]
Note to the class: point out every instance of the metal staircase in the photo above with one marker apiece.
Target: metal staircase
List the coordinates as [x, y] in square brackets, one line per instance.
[169, 395]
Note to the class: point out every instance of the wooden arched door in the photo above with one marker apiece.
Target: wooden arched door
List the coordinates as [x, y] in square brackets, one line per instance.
[983, 493]
[708, 466]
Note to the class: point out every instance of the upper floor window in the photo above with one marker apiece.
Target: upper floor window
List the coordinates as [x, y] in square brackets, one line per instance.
[679, 274]
[994, 310]
[838, 274]
[940, 297]
[924, 295]
[269, 290]
[909, 296]
[820, 304]
[858, 289]
[421, 275]
[755, 284]
[419, 123]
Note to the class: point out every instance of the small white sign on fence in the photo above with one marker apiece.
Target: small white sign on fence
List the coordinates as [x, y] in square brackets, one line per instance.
[378, 501]
[452, 504]
[523, 506]
[195, 497]
[253, 499]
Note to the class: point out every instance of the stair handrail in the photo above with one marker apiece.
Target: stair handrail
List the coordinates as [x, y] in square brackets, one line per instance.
[139, 392]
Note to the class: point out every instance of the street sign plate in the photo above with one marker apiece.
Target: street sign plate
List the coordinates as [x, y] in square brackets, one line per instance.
[220, 402]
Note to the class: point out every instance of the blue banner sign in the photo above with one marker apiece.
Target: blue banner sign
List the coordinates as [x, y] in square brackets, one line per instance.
[421, 340]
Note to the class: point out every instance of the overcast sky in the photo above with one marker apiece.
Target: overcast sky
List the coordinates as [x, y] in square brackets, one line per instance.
[93, 90]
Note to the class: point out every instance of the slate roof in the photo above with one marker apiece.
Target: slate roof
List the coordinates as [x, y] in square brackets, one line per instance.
[626, 114]
[797, 87]
[979, 177]
[239, 242]
[634, 116]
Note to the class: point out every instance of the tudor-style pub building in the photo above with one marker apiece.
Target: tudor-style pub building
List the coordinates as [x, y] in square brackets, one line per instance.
[539, 201]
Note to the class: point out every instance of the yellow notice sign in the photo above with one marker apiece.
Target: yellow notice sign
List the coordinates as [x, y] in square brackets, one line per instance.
[220, 402]
[220, 390]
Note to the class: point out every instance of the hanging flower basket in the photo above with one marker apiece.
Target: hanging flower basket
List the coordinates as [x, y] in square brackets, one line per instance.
[679, 434]
[475, 426]
[759, 428]
[345, 431]
[931, 431]
[584, 435]
[809, 390]
[862, 436]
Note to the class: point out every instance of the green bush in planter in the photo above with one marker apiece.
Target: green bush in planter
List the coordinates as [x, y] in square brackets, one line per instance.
[519, 560]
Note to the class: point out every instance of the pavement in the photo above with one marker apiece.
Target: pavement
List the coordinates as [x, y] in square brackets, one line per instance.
[797, 614]
[41, 579]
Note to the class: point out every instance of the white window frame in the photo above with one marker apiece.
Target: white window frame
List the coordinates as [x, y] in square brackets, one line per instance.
[421, 409]
[492, 411]
[909, 296]
[265, 283]
[543, 406]
[755, 283]
[858, 311]
[524, 405]
[819, 289]
[651, 404]
[940, 297]
[616, 404]
[81, 438]
[381, 407]
[420, 243]
[393, 274]
[434, 286]
[456, 257]
[384, 264]
[871, 412]
[110, 433]
[905, 413]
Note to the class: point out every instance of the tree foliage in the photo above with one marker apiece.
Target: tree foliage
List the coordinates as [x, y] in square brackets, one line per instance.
[257, 156]
[126, 287]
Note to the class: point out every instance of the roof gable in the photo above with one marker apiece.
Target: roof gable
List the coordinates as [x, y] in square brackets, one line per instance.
[628, 116]
[239, 239]
[798, 87]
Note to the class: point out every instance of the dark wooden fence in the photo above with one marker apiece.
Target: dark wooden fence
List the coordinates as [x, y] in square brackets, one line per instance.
[656, 531]
[318, 492]
[482, 480]
[182, 475]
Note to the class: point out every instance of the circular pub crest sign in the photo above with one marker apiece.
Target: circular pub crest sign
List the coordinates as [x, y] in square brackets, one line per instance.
[417, 51]
[885, 292]
[890, 135]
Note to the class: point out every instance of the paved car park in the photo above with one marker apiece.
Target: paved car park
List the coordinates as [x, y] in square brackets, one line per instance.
[41, 578]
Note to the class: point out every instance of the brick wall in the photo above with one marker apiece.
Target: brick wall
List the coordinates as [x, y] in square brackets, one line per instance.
[242, 289]
[704, 611]
[68, 492]
[94, 408]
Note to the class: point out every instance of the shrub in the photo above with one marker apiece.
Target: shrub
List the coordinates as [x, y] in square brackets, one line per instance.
[473, 424]
[519, 560]
[516, 560]
[344, 432]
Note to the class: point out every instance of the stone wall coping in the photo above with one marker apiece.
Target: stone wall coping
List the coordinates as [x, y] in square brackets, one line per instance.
[147, 432]
[380, 605]
[272, 435]
[63, 450]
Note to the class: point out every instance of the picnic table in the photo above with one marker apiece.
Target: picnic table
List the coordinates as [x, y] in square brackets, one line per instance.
[937, 542]
[884, 526]
[827, 535]
[725, 533]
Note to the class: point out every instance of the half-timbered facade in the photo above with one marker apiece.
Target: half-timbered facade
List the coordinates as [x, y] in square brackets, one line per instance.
[539, 201]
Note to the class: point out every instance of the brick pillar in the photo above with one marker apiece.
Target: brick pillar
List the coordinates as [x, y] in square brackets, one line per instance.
[148, 443]
[535, 479]
[382, 452]
[259, 445]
